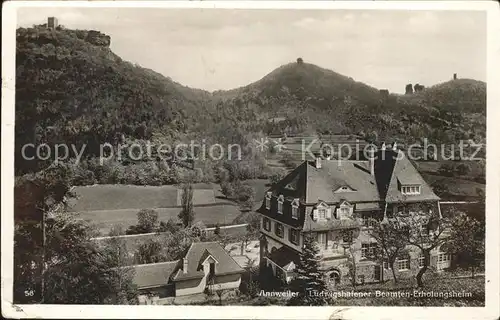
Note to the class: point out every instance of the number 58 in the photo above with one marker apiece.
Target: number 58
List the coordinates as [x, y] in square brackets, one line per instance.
[29, 293]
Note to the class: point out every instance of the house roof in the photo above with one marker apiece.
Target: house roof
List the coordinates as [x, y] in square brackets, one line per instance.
[405, 173]
[154, 274]
[284, 256]
[323, 182]
[368, 206]
[198, 252]
[312, 185]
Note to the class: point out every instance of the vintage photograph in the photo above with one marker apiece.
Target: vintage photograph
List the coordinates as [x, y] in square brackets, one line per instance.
[249, 157]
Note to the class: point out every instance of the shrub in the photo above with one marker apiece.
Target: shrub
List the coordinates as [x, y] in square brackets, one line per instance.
[277, 175]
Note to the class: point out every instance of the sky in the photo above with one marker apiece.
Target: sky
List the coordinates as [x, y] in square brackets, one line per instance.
[216, 49]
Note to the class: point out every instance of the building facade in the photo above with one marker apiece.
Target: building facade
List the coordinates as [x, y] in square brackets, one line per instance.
[337, 202]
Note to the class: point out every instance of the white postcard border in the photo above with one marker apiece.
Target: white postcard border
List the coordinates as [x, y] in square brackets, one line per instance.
[490, 311]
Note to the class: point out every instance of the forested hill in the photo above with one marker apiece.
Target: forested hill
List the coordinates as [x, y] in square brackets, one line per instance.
[71, 88]
[325, 101]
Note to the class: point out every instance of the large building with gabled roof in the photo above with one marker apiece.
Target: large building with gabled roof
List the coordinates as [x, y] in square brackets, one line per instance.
[337, 201]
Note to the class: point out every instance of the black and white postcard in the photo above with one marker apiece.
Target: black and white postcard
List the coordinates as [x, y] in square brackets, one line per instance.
[244, 159]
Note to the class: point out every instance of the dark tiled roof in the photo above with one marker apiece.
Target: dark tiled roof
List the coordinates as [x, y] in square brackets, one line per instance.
[368, 206]
[311, 185]
[283, 256]
[198, 252]
[404, 172]
[333, 174]
[154, 274]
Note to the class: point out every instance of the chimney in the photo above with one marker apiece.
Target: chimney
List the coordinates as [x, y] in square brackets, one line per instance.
[371, 160]
[454, 76]
[318, 163]
[184, 266]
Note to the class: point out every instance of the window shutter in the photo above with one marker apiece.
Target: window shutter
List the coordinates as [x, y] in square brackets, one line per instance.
[315, 214]
[433, 262]
[329, 213]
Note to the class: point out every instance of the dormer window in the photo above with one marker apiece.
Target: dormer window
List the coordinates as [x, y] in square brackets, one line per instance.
[281, 199]
[410, 190]
[345, 210]
[295, 209]
[344, 189]
[322, 212]
[268, 200]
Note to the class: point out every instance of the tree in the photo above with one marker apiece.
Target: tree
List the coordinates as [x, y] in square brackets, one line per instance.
[37, 197]
[176, 244]
[422, 227]
[198, 229]
[446, 169]
[440, 188]
[149, 252]
[245, 196]
[389, 244]
[169, 226]
[372, 136]
[309, 279]
[466, 241]
[462, 169]
[250, 286]
[227, 189]
[187, 214]
[77, 272]
[217, 229]
[147, 220]
[351, 251]
[277, 176]
[116, 253]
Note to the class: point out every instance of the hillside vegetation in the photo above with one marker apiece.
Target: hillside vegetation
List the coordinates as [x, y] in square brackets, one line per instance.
[71, 88]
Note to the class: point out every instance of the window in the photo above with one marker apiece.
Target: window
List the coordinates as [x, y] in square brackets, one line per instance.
[424, 230]
[361, 278]
[211, 272]
[321, 239]
[278, 229]
[266, 224]
[295, 209]
[212, 268]
[410, 190]
[368, 250]
[367, 220]
[403, 264]
[385, 265]
[268, 200]
[322, 213]
[280, 204]
[443, 257]
[294, 236]
[443, 261]
[344, 211]
[421, 261]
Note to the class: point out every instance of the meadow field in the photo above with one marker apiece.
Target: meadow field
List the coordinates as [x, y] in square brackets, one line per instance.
[108, 205]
